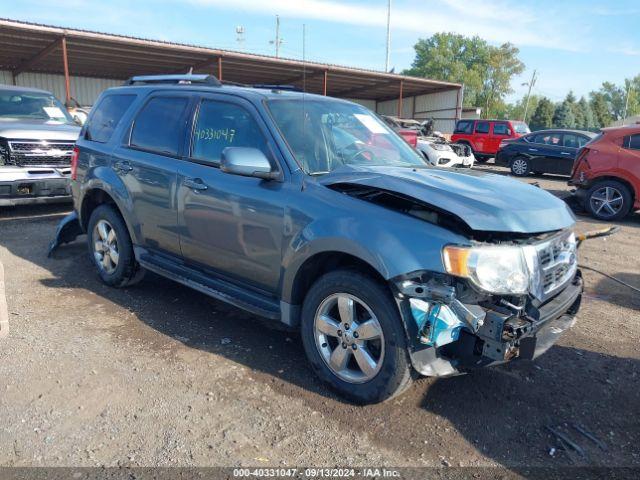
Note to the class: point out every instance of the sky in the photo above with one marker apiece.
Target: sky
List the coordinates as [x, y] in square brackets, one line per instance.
[573, 44]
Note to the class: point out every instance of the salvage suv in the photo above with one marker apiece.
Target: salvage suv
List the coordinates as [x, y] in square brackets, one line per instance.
[36, 143]
[278, 202]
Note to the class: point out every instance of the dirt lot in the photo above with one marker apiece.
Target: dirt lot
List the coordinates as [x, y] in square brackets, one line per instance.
[159, 375]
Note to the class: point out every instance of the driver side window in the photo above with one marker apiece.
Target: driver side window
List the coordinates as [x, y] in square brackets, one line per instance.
[220, 125]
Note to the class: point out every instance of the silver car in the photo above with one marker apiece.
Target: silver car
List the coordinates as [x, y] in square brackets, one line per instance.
[37, 136]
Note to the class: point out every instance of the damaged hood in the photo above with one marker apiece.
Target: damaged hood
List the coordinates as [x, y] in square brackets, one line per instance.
[484, 201]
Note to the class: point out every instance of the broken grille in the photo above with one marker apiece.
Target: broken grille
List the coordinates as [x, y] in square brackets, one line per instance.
[556, 264]
[44, 153]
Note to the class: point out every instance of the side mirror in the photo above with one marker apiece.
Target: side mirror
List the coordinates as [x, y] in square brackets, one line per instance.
[247, 162]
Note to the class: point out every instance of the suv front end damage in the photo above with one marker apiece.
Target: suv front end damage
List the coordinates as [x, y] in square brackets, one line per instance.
[456, 323]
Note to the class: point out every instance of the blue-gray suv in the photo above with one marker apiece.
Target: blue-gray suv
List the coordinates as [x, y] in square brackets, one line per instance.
[310, 211]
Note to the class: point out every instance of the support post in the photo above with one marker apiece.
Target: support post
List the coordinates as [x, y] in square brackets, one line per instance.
[65, 62]
[324, 82]
[400, 99]
[220, 68]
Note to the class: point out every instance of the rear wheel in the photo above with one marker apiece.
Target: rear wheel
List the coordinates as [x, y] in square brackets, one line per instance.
[354, 339]
[111, 249]
[608, 200]
[520, 167]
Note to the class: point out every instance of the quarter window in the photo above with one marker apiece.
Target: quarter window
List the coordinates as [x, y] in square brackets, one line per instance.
[482, 127]
[106, 117]
[548, 139]
[632, 142]
[159, 127]
[220, 125]
[572, 140]
[464, 126]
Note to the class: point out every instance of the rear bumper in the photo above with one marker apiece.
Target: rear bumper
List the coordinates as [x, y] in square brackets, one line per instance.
[504, 336]
[501, 159]
[20, 186]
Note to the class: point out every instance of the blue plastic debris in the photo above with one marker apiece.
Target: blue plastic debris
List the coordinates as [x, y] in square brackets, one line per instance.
[437, 323]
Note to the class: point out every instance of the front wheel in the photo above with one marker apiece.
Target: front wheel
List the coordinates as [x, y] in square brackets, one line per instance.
[353, 337]
[608, 200]
[520, 167]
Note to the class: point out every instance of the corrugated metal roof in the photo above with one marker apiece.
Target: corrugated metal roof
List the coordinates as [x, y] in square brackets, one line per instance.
[32, 47]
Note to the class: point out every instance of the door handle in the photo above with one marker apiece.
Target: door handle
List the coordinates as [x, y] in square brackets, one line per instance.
[122, 167]
[565, 153]
[195, 184]
[533, 149]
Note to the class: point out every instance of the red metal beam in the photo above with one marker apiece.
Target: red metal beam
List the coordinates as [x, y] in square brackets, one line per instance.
[24, 66]
[220, 68]
[400, 99]
[65, 62]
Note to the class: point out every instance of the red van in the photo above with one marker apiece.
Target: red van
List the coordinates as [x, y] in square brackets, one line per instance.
[484, 136]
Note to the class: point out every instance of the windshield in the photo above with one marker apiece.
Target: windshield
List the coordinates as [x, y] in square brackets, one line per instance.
[324, 135]
[521, 127]
[35, 105]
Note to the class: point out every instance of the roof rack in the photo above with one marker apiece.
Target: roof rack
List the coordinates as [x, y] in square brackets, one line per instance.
[181, 79]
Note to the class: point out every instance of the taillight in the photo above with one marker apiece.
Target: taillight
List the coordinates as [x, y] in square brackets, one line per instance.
[74, 163]
[413, 141]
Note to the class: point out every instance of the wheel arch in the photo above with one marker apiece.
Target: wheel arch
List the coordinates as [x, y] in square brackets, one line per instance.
[613, 178]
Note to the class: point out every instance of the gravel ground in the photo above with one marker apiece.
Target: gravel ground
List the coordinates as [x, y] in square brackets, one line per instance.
[160, 375]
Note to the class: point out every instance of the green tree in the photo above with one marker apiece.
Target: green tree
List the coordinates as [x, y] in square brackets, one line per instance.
[543, 115]
[588, 120]
[600, 109]
[563, 117]
[486, 71]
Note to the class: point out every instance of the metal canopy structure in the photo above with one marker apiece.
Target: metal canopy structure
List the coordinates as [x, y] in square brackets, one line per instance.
[28, 47]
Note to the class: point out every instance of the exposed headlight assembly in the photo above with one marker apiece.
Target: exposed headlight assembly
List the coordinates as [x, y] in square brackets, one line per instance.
[440, 146]
[494, 269]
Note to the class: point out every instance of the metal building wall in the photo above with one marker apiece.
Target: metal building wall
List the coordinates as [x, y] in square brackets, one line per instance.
[442, 106]
[84, 89]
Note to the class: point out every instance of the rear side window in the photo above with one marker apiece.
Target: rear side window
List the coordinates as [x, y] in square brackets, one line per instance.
[632, 142]
[220, 125]
[548, 138]
[464, 126]
[501, 129]
[572, 140]
[106, 117]
[159, 127]
[482, 127]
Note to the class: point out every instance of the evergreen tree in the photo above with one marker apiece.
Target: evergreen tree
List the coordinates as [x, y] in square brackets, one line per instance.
[602, 116]
[588, 118]
[543, 115]
[563, 117]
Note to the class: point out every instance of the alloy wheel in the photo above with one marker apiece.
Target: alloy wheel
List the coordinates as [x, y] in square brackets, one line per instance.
[607, 202]
[349, 338]
[105, 246]
[520, 166]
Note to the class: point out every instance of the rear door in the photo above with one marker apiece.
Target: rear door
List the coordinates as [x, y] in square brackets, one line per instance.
[231, 225]
[147, 165]
[547, 151]
[571, 143]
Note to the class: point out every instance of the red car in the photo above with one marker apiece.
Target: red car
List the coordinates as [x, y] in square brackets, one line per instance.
[607, 173]
[484, 136]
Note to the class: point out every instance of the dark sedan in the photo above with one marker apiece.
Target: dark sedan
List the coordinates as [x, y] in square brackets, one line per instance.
[544, 151]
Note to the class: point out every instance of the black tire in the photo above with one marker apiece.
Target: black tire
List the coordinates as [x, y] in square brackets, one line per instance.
[395, 373]
[617, 190]
[127, 271]
[520, 167]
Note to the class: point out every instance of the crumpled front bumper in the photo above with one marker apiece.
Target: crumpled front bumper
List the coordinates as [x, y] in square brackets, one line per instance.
[496, 340]
[26, 185]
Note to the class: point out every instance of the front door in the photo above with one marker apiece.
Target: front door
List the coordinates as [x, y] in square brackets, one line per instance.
[481, 136]
[230, 224]
[147, 164]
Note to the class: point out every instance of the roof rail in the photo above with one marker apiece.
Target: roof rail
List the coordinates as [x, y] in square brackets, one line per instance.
[179, 79]
[269, 86]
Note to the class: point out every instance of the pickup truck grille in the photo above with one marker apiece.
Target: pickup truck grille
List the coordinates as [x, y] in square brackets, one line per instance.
[553, 263]
[41, 153]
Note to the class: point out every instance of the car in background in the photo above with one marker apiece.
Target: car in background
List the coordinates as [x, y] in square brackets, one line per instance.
[484, 136]
[37, 136]
[408, 132]
[440, 153]
[544, 151]
[607, 173]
